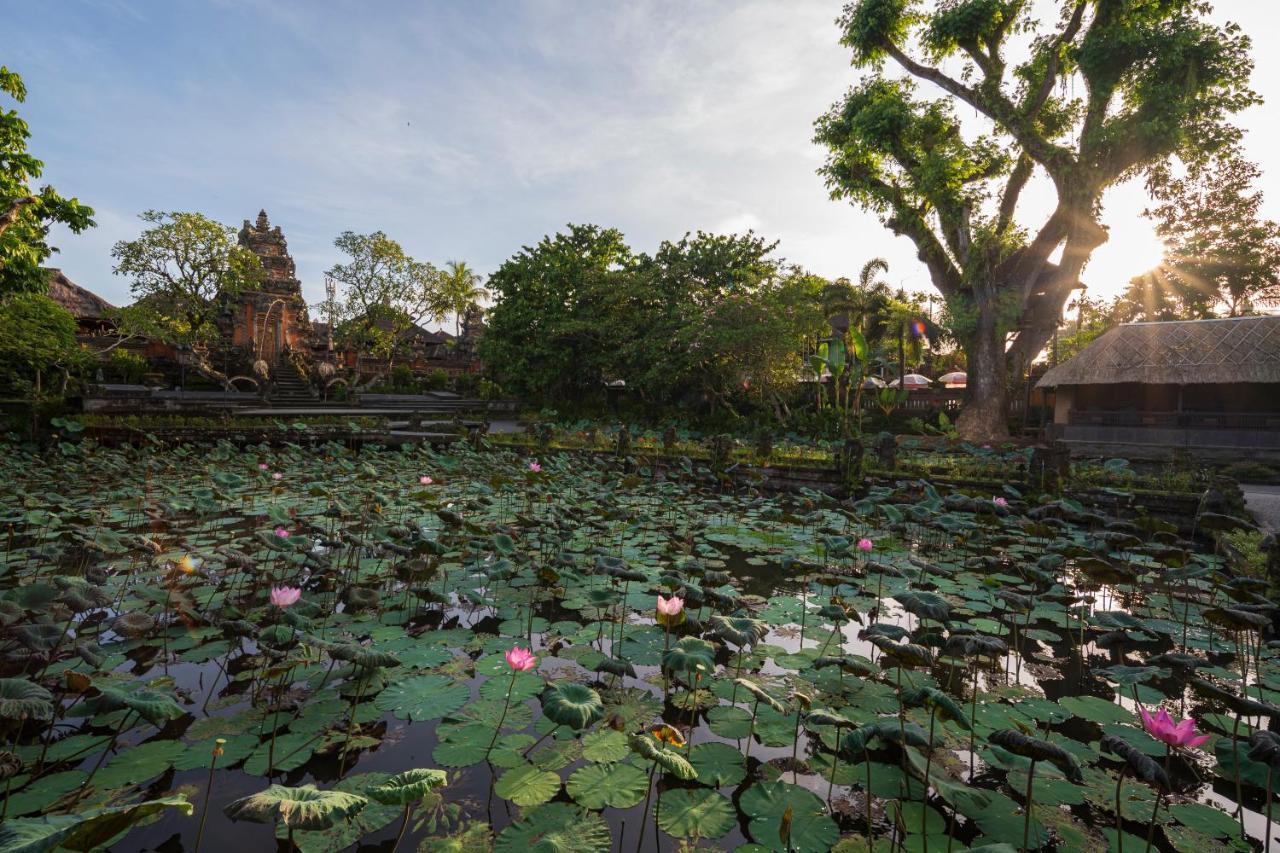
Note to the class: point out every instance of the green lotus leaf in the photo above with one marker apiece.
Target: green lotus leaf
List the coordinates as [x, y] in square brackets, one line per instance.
[718, 764]
[152, 706]
[423, 697]
[742, 631]
[766, 804]
[599, 786]
[1038, 750]
[696, 813]
[556, 828]
[87, 830]
[527, 785]
[670, 761]
[408, 787]
[690, 655]
[925, 605]
[605, 746]
[21, 699]
[760, 694]
[305, 807]
[939, 704]
[572, 705]
[360, 655]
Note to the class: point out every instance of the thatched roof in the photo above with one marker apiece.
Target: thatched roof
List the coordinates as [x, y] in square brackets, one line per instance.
[1191, 352]
[79, 302]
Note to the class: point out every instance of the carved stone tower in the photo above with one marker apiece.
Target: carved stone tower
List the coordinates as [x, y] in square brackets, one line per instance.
[271, 319]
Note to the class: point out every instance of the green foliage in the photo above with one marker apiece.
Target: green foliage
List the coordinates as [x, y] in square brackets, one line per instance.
[26, 213]
[88, 830]
[127, 367]
[1220, 253]
[181, 267]
[386, 295]
[706, 321]
[37, 338]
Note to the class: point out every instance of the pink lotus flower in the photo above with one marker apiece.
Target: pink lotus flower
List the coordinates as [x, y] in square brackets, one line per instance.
[1163, 728]
[535, 467]
[277, 476]
[670, 606]
[262, 466]
[521, 659]
[865, 545]
[1000, 502]
[285, 596]
[425, 480]
[282, 533]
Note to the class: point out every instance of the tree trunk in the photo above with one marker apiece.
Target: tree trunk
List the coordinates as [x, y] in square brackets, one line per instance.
[985, 414]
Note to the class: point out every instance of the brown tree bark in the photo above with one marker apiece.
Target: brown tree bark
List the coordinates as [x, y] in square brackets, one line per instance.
[985, 413]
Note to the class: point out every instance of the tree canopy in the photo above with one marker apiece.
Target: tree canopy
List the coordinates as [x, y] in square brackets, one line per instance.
[386, 294]
[181, 269]
[1221, 255]
[26, 214]
[1106, 92]
[37, 337]
[710, 321]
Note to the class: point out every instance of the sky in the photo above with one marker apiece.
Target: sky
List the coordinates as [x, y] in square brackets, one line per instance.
[468, 130]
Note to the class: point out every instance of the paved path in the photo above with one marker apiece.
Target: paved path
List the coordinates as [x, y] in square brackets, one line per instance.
[1264, 503]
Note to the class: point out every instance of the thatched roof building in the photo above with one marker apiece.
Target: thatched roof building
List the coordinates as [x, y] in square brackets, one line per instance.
[80, 303]
[1192, 352]
[1195, 384]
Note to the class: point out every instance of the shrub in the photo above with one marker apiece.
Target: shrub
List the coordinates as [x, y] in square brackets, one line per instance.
[127, 367]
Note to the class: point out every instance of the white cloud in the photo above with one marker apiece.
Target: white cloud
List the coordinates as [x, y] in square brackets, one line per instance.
[469, 130]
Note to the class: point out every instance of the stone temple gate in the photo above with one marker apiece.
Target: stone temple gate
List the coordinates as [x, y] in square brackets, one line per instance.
[271, 320]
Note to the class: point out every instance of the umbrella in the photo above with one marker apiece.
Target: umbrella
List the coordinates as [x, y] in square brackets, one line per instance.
[872, 383]
[956, 379]
[913, 380]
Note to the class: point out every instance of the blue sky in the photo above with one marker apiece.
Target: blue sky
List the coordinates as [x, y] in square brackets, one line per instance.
[468, 129]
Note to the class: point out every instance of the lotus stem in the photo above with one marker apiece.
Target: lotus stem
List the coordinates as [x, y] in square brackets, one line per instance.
[835, 762]
[1151, 830]
[867, 755]
[208, 795]
[404, 826]
[538, 741]
[1026, 822]
[1119, 814]
[505, 707]
[1270, 798]
[644, 814]
[111, 744]
[751, 733]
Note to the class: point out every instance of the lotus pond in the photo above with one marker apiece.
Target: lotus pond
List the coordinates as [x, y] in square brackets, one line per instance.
[322, 649]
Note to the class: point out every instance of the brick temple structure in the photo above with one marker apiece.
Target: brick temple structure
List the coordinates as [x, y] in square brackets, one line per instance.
[272, 320]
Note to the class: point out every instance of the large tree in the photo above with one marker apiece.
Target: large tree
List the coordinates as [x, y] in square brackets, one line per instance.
[1220, 254]
[26, 213]
[560, 315]
[1112, 89]
[386, 295]
[708, 321]
[183, 269]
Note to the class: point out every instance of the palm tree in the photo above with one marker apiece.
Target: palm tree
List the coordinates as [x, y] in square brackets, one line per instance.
[459, 287]
[871, 295]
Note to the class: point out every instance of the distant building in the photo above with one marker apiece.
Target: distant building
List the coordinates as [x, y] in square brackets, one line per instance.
[93, 313]
[1199, 384]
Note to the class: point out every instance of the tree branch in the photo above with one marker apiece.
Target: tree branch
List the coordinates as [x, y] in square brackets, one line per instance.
[1038, 96]
[11, 213]
[1013, 189]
